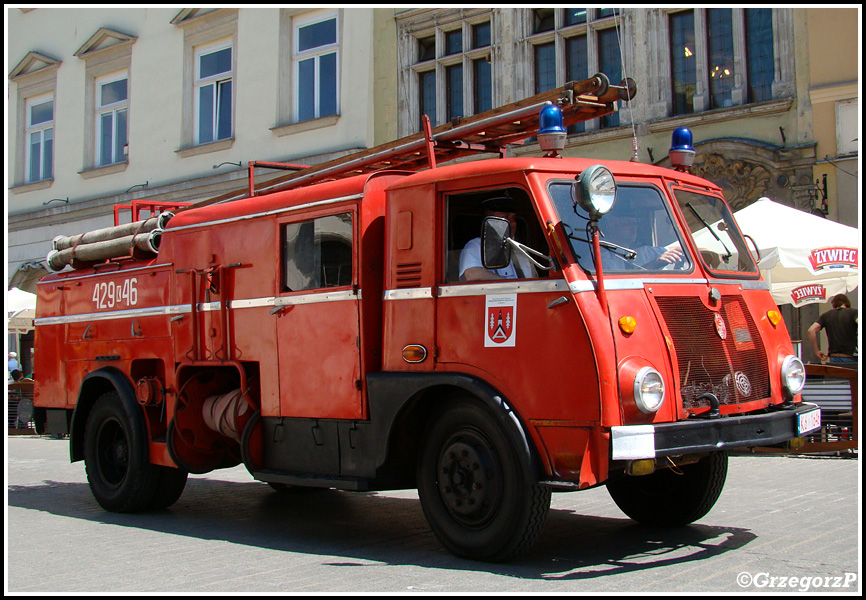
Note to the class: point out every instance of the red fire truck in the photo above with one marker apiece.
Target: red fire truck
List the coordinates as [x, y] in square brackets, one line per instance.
[320, 328]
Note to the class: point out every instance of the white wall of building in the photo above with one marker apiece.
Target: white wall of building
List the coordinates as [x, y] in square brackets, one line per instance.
[160, 153]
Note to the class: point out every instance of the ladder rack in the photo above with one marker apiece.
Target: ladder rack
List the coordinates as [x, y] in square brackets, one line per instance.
[488, 132]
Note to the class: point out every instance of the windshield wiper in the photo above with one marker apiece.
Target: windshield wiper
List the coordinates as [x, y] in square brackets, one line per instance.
[626, 252]
[710, 229]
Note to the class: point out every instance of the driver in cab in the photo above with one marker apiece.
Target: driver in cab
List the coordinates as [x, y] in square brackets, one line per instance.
[622, 229]
[471, 267]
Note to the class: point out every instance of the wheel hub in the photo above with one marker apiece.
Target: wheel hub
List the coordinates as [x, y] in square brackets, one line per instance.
[469, 479]
[113, 453]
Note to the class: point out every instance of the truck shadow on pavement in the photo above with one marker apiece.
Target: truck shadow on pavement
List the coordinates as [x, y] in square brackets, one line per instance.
[369, 528]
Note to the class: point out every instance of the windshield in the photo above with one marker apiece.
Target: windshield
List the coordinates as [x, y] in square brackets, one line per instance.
[638, 234]
[721, 246]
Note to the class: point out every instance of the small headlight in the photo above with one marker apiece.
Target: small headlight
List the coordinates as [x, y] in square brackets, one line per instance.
[595, 190]
[649, 390]
[793, 374]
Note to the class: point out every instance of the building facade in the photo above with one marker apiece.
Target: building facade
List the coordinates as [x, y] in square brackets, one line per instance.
[770, 94]
[168, 105]
[728, 74]
[165, 105]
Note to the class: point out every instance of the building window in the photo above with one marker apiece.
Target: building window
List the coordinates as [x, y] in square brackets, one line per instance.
[111, 118]
[720, 45]
[213, 92]
[481, 35]
[316, 68]
[568, 44]
[482, 76]
[723, 57]
[576, 61]
[759, 53]
[610, 63]
[545, 67]
[543, 19]
[426, 48]
[454, 91]
[483, 88]
[453, 71]
[575, 16]
[683, 67]
[427, 82]
[847, 142]
[40, 139]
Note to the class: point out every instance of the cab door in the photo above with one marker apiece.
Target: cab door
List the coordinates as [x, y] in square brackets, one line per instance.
[524, 336]
[317, 312]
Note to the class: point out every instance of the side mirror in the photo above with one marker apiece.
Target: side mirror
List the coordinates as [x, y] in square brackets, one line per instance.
[495, 252]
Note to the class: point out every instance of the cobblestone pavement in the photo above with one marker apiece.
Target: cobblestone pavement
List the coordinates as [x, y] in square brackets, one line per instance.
[783, 524]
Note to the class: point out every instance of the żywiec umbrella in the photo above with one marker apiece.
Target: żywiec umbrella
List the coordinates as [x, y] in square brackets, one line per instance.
[804, 258]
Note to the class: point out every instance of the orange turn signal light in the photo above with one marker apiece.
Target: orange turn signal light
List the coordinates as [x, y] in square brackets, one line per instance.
[414, 353]
[627, 324]
[775, 317]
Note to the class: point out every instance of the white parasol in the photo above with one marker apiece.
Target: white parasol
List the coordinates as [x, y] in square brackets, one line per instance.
[804, 258]
[20, 311]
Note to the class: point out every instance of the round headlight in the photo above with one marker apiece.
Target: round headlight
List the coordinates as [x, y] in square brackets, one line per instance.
[596, 191]
[793, 374]
[649, 390]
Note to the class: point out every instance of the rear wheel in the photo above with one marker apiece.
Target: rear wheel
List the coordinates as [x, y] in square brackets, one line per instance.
[671, 497]
[169, 487]
[476, 493]
[117, 463]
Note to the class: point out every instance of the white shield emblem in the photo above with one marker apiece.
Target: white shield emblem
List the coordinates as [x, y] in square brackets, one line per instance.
[500, 317]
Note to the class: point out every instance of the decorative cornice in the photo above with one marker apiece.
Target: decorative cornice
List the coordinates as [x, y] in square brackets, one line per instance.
[104, 39]
[33, 58]
[833, 93]
[188, 15]
[760, 109]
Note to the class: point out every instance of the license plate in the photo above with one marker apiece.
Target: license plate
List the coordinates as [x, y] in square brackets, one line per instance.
[809, 421]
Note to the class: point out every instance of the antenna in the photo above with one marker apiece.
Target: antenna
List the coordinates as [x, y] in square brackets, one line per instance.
[616, 21]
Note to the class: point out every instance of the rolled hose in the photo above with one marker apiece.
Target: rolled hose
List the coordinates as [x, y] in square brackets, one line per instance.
[62, 242]
[223, 413]
[141, 245]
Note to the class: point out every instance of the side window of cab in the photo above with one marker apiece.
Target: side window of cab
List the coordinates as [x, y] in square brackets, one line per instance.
[317, 253]
[465, 213]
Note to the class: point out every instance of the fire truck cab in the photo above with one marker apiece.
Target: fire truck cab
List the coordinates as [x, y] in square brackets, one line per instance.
[326, 335]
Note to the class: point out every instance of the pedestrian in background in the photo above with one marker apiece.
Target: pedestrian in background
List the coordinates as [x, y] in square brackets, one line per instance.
[840, 324]
[13, 363]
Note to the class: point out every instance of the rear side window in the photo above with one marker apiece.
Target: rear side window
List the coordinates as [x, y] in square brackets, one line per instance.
[317, 253]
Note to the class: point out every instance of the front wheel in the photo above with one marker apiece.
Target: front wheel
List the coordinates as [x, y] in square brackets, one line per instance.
[672, 497]
[476, 493]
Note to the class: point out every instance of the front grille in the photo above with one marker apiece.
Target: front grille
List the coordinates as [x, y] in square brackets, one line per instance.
[734, 368]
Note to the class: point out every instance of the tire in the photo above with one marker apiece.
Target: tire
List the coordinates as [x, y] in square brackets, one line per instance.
[667, 498]
[170, 486]
[116, 459]
[479, 498]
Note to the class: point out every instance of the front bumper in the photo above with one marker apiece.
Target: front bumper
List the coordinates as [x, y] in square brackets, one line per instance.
[633, 442]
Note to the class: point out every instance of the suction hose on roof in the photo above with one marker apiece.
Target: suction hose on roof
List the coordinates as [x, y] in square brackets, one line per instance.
[140, 240]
